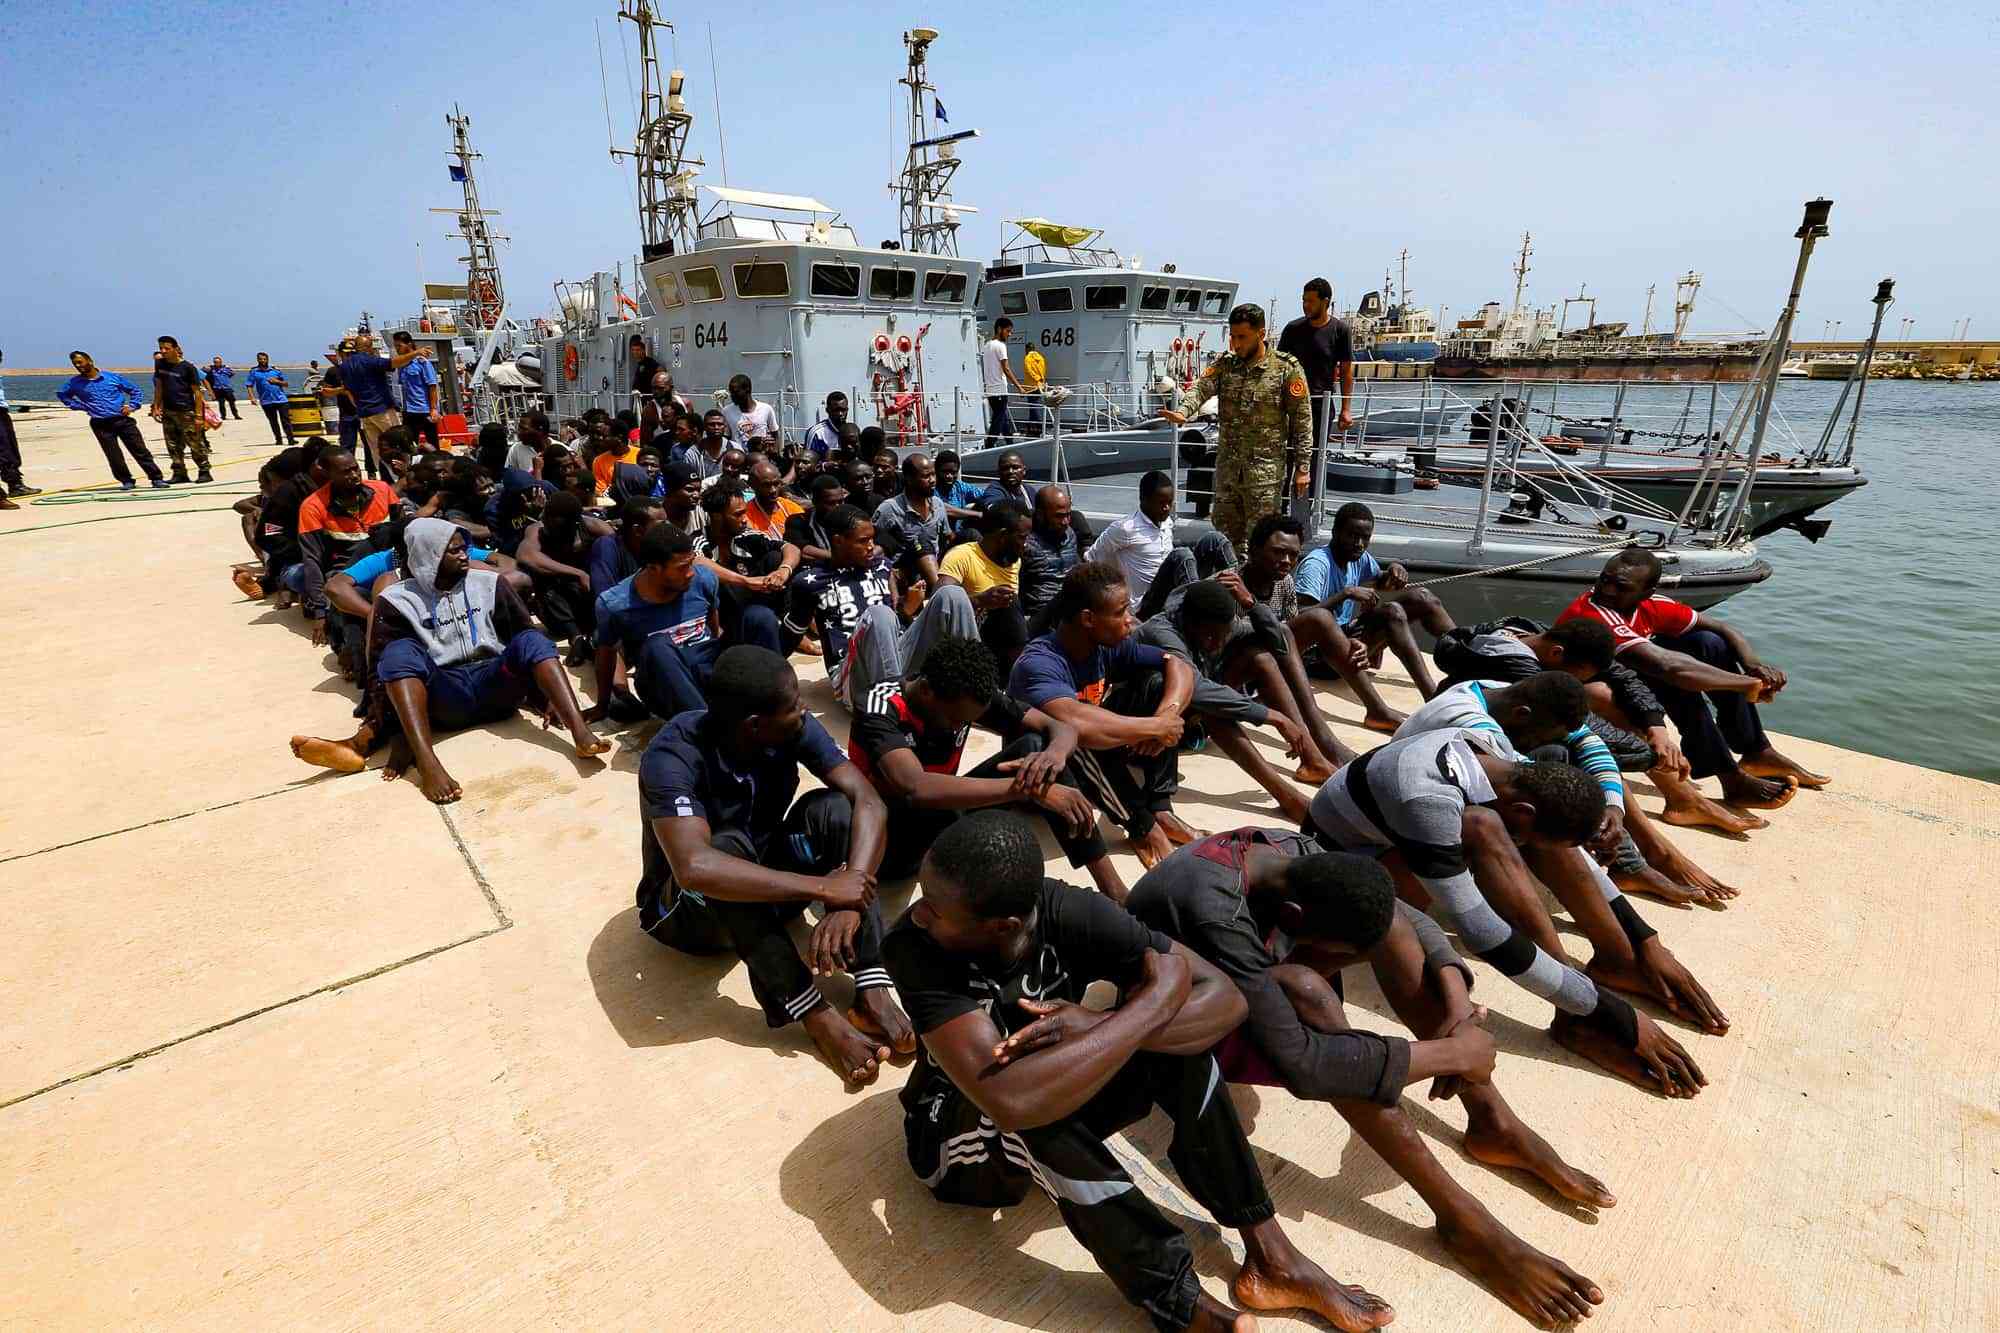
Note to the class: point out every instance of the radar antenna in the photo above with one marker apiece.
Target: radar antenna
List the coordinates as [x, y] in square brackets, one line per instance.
[927, 215]
[667, 216]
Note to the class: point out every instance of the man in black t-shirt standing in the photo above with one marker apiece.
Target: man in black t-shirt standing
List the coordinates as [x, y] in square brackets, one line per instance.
[1017, 1082]
[1324, 346]
[178, 404]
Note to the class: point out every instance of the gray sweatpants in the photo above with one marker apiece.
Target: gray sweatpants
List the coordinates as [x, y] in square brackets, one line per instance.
[882, 652]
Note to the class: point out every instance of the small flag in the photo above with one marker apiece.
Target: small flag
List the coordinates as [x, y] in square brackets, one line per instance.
[943, 119]
[457, 172]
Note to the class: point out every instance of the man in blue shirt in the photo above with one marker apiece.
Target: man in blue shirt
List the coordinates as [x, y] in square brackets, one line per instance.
[1125, 700]
[365, 376]
[824, 437]
[666, 621]
[268, 383]
[1012, 485]
[1353, 609]
[11, 483]
[418, 382]
[108, 400]
[222, 383]
[729, 858]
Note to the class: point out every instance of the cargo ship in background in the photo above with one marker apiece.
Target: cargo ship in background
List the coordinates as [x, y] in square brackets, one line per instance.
[1519, 342]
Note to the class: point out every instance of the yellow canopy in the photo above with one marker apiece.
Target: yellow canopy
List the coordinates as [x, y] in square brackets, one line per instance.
[1054, 233]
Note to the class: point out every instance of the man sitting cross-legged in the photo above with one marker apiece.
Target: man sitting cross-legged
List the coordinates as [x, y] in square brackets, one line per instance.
[1125, 699]
[1357, 609]
[1709, 680]
[730, 859]
[1018, 1083]
[1280, 918]
[1452, 820]
[1514, 649]
[910, 742]
[458, 650]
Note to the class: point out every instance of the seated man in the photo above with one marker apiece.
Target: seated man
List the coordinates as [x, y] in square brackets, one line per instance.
[1056, 544]
[753, 567]
[1358, 609]
[1280, 918]
[555, 554]
[666, 623]
[730, 859]
[1124, 698]
[1142, 546]
[1452, 819]
[849, 605]
[1017, 1082]
[914, 526]
[769, 508]
[1197, 626]
[457, 650]
[990, 572]
[1516, 648]
[333, 521]
[614, 556]
[961, 498]
[807, 530]
[910, 741]
[1012, 484]
[1707, 676]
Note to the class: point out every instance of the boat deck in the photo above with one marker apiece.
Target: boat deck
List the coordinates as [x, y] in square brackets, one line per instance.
[293, 1049]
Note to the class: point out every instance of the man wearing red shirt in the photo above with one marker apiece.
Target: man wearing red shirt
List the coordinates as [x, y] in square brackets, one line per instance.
[333, 522]
[1708, 678]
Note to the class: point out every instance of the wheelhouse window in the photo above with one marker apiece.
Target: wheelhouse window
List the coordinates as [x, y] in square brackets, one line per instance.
[840, 281]
[1106, 298]
[1013, 303]
[761, 278]
[1153, 298]
[944, 288]
[892, 284]
[703, 284]
[667, 291]
[1215, 303]
[1054, 300]
[1187, 300]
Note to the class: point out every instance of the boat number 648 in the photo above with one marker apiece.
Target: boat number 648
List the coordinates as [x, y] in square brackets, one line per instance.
[712, 334]
[1064, 337]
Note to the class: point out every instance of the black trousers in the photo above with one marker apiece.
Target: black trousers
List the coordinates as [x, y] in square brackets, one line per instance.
[279, 415]
[226, 399]
[964, 1159]
[114, 431]
[913, 830]
[812, 841]
[568, 610]
[1131, 788]
[1714, 728]
[1005, 632]
[422, 426]
[10, 451]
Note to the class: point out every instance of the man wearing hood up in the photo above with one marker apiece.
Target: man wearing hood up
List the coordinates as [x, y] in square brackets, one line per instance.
[458, 650]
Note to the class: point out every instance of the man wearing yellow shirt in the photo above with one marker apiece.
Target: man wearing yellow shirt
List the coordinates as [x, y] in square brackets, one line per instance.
[990, 572]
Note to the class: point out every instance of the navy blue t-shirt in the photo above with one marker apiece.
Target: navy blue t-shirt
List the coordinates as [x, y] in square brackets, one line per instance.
[610, 563]
[366, 376]
[1042, 672]
[623, 615]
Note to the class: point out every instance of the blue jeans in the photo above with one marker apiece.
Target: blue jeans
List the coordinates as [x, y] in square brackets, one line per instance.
[672, 678]
[473, 693]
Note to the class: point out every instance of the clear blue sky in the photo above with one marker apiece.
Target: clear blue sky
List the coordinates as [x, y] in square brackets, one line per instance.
[251, 177]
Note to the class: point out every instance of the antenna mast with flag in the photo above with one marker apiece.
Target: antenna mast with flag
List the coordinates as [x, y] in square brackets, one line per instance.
[484, 297]
[667, 216]
[927, 214]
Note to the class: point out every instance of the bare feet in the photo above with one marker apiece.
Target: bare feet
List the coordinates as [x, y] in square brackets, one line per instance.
[1601, 1049]
[1212, 1316]
[1650, 883]
[1346, 1307]
[1313, 773]
[1177, 830]
[1687, 872]
[438, 787]
[1511, 1145]
[336, 755]
[1771, 764]
[590, 744]
[1755, 793]
[1647, 984]
[248, 584]
[1385, 721]
[1154, 848]
[876, 1013]
[856, 1058]
[1700, 812]
[1542, 1290]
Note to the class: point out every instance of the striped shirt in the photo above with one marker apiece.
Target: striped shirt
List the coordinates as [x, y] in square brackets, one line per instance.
[1464, 708]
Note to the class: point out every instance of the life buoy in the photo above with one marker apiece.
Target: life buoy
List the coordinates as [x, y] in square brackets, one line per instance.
[569, 362]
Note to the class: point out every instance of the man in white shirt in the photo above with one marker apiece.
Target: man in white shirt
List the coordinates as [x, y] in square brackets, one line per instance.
[747, 419]
[997, 375]
[824, 437]
[1142, 545]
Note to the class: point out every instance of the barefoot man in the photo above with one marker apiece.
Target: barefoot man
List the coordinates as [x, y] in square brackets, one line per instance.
[456, 649]
[1280, 919]
[1447, 822]
[1358, 609]
[1708, 678]
[1018, 1083]
[730, 859]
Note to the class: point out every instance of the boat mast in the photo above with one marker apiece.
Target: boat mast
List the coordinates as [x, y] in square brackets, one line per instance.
[484, 296]
[1684, 289]
[667, 220]
[1403, 287]
[1647, 326]
[1521, 272]
[927, 217]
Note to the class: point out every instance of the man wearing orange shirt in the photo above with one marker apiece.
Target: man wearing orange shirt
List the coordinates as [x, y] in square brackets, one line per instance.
[333, 522]
[771, 507]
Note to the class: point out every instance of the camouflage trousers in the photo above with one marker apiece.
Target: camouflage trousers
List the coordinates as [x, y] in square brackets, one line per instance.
[185, 435]
[1243, 494]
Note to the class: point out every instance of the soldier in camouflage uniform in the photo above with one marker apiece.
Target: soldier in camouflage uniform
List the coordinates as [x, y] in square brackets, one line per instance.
[1266, 417]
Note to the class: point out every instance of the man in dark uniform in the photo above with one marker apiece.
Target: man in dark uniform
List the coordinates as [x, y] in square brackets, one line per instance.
[1324, 346]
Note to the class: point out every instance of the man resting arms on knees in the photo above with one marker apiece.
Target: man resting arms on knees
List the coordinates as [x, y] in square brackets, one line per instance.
[730, 859]
[1280, 919]
[459, 651]
[1018, 1083]
[1359, 609]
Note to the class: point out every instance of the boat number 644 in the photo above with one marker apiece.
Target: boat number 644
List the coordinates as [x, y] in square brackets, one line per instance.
[1064, 337]
[712, 334]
